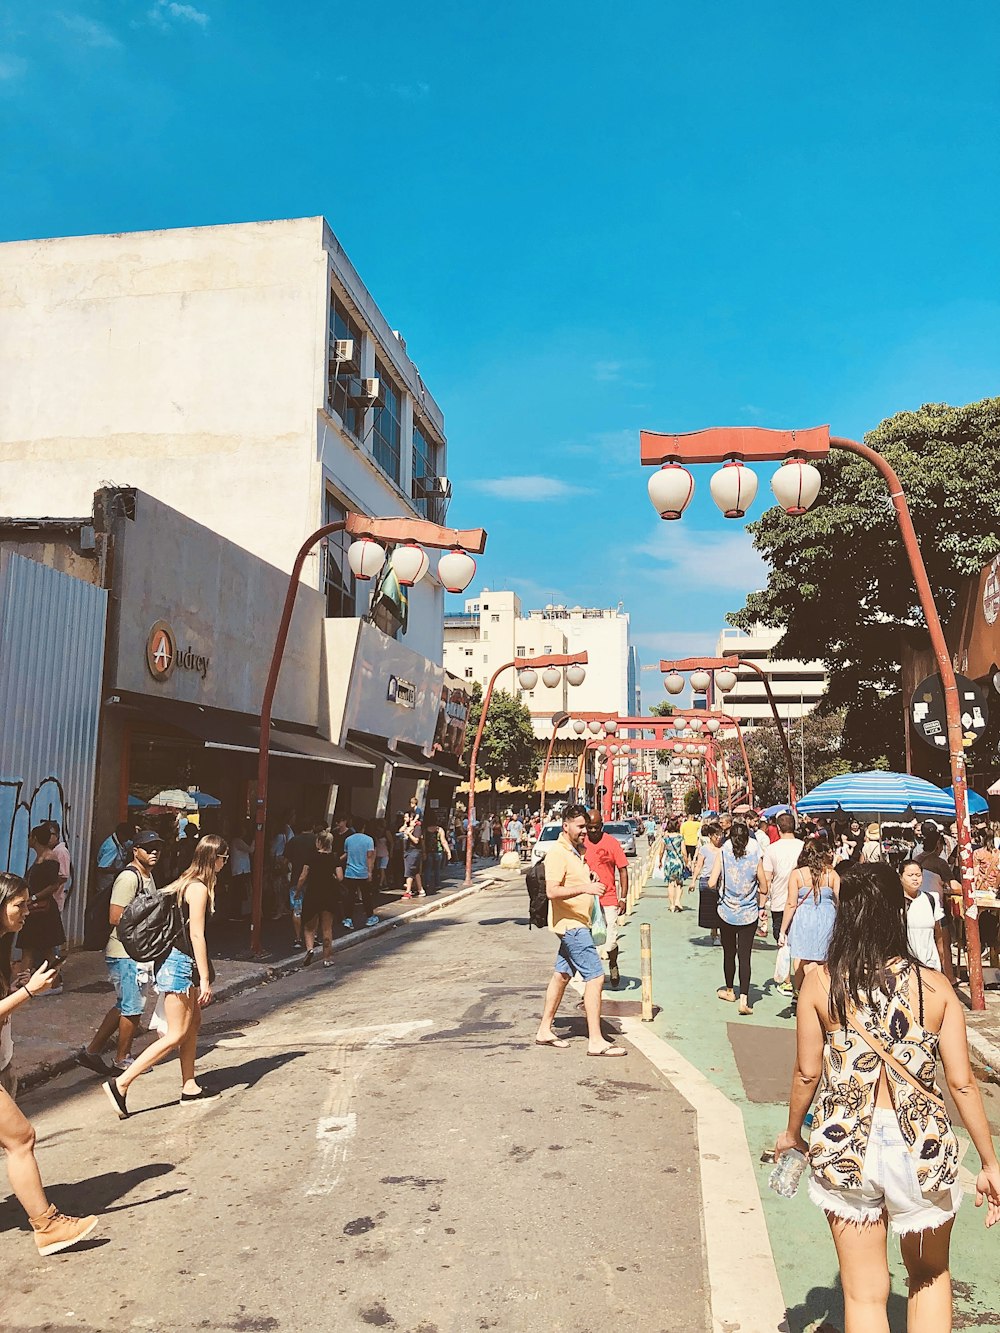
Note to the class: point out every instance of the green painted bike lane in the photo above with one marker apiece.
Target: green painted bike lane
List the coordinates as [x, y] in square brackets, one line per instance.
[687, 971]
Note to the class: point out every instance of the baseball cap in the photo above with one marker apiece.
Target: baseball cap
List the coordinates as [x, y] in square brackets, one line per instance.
[147, 837]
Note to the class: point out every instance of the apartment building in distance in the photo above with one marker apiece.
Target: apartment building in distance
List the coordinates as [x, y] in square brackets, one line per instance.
[494, 629]
[797, 686]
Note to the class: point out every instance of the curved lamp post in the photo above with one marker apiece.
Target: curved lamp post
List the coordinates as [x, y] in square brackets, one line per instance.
[559, 720]
[527, 669]
[366, 555]
[796, 486]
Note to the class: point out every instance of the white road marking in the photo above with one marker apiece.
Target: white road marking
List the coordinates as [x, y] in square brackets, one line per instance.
[743, 1279]
[338, 1125]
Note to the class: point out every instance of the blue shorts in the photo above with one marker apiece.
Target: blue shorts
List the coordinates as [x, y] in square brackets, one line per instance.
[124, 974]
[578, 953]
[175, 975]
[295, 897]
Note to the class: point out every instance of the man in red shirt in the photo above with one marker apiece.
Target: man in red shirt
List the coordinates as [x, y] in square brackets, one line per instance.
[605, 856]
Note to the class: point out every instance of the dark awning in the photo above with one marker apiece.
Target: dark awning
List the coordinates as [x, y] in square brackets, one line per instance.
[437, 764]
[218, 730]
[403, 763]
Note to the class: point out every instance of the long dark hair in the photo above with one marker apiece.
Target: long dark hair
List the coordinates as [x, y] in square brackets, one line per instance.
[817, 858]
[11, 886]
[739, 836]
[869, 933]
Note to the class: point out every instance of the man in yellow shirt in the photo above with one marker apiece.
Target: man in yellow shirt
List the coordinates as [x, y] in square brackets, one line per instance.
[571, 888]
[690, 832]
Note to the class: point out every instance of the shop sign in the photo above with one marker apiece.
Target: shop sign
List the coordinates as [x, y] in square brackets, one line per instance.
[163, 657]
[991, 592]
[929, 719]
[402, 692]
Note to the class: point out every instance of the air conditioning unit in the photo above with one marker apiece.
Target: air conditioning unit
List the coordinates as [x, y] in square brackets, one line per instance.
[363, 390]
[342, 349]
[428, 486]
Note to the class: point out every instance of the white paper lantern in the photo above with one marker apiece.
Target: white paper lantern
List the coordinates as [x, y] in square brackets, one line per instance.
[733, 488]
[365, 557]
[602, 750]
[712, 724]
[576, 675]
[700, 681]
[595, 728]
[670, 490]
[611, 726]
[673, 682]
[527, 678]
[551, 677]
[682, 724]
[725, 680]
[409, 563]
[456, 569]
[691, 749]
[796, 485]
[579, 726]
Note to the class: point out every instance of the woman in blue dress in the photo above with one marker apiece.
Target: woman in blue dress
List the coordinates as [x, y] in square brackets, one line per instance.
[671, 863]
[806, 927]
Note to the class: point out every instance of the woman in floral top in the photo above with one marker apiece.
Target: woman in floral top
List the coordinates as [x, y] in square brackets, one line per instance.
[871, 1024]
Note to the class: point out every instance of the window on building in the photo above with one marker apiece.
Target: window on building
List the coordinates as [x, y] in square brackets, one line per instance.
[476, 608]
[342, 325]
[547, 649]
[468, 652]
[519, 650]
[495, 620]
[387, 430]
[428, 498]
[338, 581]
[486, 635]
[468, 673]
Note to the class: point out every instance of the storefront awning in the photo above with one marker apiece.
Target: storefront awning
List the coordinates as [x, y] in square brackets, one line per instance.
[436, 764]
[218, 730]
[403, 763]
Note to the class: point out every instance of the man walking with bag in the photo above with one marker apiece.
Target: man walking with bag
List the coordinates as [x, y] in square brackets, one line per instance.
[605, 856]
[572, 889]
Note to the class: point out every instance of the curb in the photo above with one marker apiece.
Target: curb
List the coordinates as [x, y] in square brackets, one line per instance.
[282, 967]
[984, 1050]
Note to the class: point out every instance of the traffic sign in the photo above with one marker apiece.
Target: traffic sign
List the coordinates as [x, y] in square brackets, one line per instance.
[927, 712]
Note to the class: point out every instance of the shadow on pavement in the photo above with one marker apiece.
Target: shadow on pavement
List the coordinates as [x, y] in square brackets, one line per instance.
[822, 1311]
[96, 1195]
[250, 1073]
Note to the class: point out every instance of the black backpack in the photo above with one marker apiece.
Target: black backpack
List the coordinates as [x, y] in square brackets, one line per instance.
[538, 901]
[151, 924]
[96, 926]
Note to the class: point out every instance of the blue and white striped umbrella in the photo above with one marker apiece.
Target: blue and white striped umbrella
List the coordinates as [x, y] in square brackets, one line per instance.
[978, 805]
[878, 795]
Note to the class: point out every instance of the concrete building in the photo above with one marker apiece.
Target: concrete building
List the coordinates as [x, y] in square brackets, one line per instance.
[797, 686]
[197, 402]
[493, 629]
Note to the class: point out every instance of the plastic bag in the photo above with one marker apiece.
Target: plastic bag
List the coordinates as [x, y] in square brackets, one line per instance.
[158, 1018]
[598, 925]
[783, 965]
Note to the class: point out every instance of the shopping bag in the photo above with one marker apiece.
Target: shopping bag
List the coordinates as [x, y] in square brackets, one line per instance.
[598, 925]
[158, 1018]
[783, 965]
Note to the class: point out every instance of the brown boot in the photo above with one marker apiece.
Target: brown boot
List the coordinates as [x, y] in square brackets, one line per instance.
[54, 1232]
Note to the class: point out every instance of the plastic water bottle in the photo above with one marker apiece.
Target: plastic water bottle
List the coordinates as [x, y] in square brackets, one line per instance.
[785, 1177]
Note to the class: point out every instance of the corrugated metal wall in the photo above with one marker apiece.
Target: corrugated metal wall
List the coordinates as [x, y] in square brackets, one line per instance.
[51, 661]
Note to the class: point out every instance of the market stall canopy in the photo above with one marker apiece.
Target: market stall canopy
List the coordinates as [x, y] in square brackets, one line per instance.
[978, 805]
[772, 811]
[877, 795]
[136, 802]
[203, 800]
[174, 799]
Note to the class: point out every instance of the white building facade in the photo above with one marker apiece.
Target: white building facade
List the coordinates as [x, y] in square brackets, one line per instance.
[797, 686]
[493, 629]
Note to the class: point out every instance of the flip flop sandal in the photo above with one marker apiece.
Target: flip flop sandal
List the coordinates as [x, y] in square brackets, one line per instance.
[559, 1042]
[609, 1052]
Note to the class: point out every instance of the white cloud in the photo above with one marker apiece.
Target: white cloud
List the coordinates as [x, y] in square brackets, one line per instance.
[164, 12]
[675, 644]
[12, 67]
[90, 32]
[702, 560]
[529, 489]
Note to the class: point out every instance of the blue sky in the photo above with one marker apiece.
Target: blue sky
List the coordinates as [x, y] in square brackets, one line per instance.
[586, 219]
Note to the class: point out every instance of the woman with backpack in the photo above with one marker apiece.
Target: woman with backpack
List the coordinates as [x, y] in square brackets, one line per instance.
[53, 1231]
[184, 978]
[871, 1026]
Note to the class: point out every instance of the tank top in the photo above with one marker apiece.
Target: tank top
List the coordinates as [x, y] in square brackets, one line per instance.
[851, 1072]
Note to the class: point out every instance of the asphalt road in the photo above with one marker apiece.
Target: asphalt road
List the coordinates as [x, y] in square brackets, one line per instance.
[391, 1151]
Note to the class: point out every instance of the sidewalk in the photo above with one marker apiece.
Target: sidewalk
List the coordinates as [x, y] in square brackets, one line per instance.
[48, 1032]
[749, 1061]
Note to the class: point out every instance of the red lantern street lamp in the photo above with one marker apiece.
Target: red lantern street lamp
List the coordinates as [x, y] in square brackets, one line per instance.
[755, 442]
[366, 556]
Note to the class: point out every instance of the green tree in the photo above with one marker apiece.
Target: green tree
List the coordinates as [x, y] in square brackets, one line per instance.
[692, 802]
[662, 709]
[508, 748]
[840, 582]
[819, 736]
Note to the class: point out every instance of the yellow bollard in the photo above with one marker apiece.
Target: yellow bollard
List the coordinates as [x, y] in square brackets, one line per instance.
[646, 971]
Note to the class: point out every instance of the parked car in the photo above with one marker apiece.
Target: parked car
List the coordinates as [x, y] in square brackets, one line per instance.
[544, 841]
[638, 824]
[625, 834]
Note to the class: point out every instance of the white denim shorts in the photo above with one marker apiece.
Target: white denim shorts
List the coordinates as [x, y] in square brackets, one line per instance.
[611, 919]
[888, 1184]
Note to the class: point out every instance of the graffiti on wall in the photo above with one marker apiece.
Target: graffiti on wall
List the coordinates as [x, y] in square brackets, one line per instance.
[19, 816]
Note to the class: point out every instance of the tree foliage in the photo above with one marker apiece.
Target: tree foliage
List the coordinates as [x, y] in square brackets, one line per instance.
[662, 709]
[818, 734]
[508, 748]
[840, 581]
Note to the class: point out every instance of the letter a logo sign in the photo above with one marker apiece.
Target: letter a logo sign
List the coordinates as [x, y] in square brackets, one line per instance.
[161, 650]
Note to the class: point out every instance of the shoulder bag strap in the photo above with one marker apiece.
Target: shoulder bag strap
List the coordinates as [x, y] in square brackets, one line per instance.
[886, 1056]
